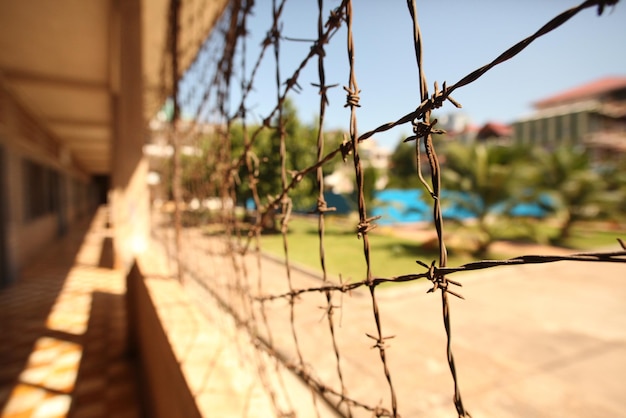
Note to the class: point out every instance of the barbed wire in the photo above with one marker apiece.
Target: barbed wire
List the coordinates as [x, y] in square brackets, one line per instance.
[248, 303]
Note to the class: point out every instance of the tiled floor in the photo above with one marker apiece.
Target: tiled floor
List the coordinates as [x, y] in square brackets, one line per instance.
[63, 341]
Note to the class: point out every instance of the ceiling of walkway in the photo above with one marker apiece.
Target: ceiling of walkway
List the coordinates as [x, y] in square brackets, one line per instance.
[57, 57]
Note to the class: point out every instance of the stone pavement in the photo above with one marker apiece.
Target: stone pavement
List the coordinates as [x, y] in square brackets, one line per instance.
[63, 348]
[529, 341]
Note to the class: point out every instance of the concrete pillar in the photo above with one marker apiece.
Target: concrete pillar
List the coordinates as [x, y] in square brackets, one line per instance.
[526, 132]
[551, 139]
[129, 193]
[566, 129]
[583, 127]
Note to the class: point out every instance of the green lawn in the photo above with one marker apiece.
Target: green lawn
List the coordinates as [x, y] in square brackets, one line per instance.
[585, 236]
[588, 239]
[390, 256]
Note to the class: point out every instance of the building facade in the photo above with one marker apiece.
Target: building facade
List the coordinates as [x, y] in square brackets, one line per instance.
[592, 115]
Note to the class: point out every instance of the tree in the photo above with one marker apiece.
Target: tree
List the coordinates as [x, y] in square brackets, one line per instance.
[487, 182]
[576, 191]
[198, 171]
[301, 145]
[370, 177]
[403, 167]
[614, 174]
[202, 169]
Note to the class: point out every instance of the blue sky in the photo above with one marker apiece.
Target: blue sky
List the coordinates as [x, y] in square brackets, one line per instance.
[459, 36]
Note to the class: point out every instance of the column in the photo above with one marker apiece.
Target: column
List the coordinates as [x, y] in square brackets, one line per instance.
[129, 194]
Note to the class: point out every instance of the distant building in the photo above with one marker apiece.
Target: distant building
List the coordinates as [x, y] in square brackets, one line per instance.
[159, 149]
[592, 115]
[495, 132]
[458, 127]
[341, 181]
[374, 155]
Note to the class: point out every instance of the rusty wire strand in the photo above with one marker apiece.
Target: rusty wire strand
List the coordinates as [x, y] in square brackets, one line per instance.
[322, 207]
[222, 84]
[239, 242]
[333, 23]
[285, 201]
[267, 346]
[424, 130]
[433, 271]
[254, 327]
[365, 223]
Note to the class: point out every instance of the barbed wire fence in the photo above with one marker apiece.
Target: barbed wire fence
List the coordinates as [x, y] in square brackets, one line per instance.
[225, 256]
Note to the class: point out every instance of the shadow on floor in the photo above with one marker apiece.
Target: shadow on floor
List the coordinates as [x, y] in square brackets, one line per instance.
[106, 255]
[63, 337]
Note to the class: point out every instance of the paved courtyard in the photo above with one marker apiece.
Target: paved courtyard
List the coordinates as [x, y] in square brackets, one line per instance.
[529, 341]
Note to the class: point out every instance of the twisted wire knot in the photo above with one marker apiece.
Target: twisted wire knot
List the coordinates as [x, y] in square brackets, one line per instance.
[423, 129]
[366, 226]
[345, 148]
[323, 90]
[352, 98]
[439, 280]
[335, 18]
[322, 206]
[380, 341]
[293, 83]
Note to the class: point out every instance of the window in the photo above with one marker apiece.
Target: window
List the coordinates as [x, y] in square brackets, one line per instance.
[573, 128]
[41, 190]
[533, 132]
[558, 129]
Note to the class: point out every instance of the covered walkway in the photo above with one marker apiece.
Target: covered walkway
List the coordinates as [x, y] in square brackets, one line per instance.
[63, 339]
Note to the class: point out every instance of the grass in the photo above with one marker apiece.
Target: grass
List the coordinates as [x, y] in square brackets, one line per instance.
[588, 239]
[390, 256]
[393, 256]
[584, 236]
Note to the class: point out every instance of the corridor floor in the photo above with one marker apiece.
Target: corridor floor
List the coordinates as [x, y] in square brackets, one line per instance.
[63, 338]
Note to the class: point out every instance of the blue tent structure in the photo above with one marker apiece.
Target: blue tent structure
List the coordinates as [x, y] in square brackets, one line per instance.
[397, 206]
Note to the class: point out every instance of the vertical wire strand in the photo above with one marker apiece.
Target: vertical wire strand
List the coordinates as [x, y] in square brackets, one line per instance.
[284, 202]
[436, 195]
[364, 222]
[322, 207]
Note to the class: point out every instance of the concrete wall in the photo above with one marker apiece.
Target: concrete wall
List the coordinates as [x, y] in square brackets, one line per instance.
[166, 393]
[23, 142]
[194, 360]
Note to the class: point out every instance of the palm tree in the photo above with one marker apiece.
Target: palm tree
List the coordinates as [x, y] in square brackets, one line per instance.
[486, 182]
[614, 174]
[576, 191]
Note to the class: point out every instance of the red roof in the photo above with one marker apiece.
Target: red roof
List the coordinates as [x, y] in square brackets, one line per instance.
[494, 129]
[589, 90]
